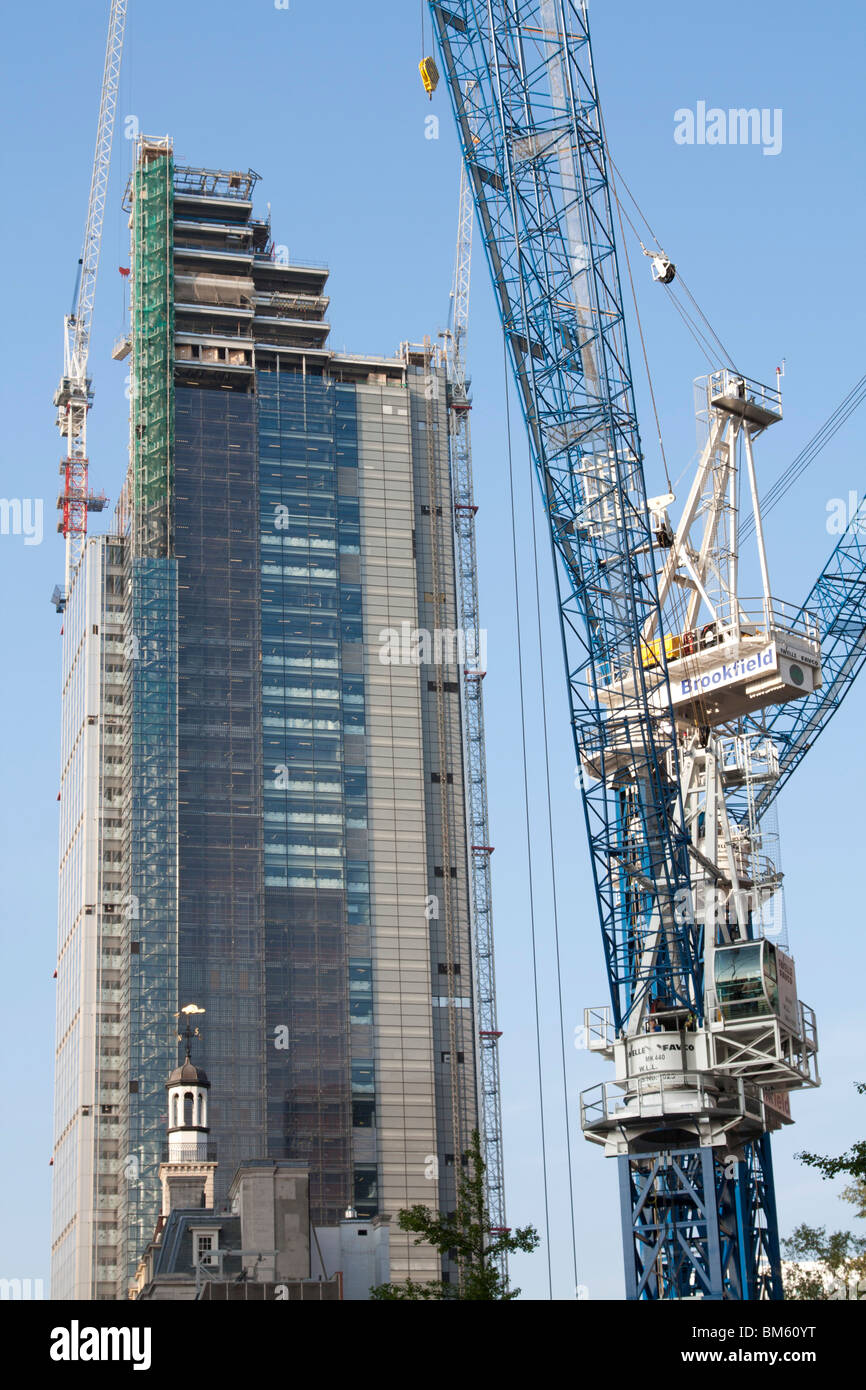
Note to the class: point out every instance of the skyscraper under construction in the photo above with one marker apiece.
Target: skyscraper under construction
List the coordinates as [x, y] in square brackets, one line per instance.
[264, 800]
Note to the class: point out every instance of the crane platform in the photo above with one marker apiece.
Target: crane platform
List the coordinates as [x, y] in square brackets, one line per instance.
[748, 400]
[721, 672]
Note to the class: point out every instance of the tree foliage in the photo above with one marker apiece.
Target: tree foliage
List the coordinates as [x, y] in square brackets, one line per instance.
[853, 1162]
[466, 1236]
[822, 1265]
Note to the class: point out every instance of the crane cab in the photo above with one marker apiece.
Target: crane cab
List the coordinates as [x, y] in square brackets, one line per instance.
[758, 1028]
[755, 979]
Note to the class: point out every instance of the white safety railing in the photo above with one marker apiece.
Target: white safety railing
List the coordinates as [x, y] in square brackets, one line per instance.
[729, 384]
[598, 1028]
[661, 1094]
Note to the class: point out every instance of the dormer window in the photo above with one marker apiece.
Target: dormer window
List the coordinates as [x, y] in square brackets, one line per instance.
[205, 1244]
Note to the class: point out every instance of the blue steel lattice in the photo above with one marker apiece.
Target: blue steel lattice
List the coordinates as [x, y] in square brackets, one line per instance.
[533, 147]
[535, 156]
[838, 600]
[699, 1224]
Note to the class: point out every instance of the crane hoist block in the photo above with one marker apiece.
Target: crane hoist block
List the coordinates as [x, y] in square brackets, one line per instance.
[429, 75]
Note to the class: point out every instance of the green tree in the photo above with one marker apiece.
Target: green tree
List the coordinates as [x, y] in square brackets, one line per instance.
[823, 1265]
[466, 1236]
[853, 1162]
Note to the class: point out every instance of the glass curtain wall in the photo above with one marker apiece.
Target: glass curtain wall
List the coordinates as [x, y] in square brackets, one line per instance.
[220, 933]
[317, 894]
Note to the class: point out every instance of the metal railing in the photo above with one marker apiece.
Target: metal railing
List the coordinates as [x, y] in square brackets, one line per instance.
[211, 1265]
[728, 383]
[790, 618]
[757, 617]
[809, 1027]
[721, 1013]
[188, 1153]
[663, 1094]
[761, 614]
[598, 1028]
[756, 757]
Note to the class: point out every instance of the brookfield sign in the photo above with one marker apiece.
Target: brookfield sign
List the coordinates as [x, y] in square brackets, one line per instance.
[728, 673]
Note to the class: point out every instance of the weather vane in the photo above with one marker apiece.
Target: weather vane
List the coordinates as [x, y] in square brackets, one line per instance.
[187, 1012]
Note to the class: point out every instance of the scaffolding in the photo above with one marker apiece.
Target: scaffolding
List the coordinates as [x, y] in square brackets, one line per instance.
[150, 758]
[437, 563]
[152, 193]
[472, 702]
[216, 183]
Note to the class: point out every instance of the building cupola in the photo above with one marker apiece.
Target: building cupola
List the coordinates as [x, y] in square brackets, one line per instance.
[188, 1131]
[187, 1176]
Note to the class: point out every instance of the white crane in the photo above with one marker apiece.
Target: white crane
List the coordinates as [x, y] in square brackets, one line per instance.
[73, 396]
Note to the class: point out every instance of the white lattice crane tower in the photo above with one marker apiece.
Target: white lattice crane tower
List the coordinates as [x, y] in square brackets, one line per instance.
[74, 394]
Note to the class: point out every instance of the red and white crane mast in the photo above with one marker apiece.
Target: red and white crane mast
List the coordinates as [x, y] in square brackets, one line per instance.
[74, 394]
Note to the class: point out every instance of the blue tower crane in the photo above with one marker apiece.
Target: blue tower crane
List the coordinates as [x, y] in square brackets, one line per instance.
[544, 209]
[704, 1024]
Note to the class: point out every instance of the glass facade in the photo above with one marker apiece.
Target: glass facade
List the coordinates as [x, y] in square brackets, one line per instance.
[220, 939]
[150, 880]
[317, 889]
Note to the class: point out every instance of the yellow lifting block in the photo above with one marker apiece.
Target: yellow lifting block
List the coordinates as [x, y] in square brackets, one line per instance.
[651, 652]
[429, 76]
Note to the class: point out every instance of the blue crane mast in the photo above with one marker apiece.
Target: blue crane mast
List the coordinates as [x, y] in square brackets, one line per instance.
[544, 210]
[696, 1183]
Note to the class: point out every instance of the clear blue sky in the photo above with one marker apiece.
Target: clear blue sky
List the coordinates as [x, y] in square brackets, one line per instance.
[324, 100]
